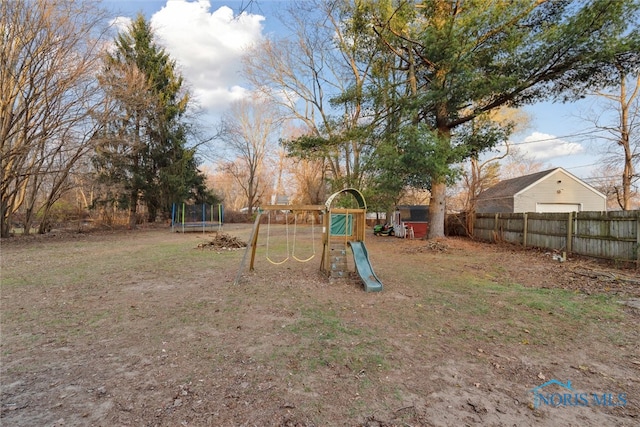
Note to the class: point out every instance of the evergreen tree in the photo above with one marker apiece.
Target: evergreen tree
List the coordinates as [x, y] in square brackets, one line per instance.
[142, 147]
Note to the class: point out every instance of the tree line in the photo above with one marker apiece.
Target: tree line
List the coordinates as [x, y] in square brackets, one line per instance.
[388, 96]
[397, 94]
[78, 108]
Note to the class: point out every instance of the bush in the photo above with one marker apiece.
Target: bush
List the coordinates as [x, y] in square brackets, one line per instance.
[237, 217]
[62, 214]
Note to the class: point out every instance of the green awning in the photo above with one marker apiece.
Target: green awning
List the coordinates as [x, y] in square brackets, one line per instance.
[341, 224]
[358, 195]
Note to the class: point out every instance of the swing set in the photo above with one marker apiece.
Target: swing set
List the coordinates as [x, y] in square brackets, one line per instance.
[271, 211]
[341, 229]
[292, 253]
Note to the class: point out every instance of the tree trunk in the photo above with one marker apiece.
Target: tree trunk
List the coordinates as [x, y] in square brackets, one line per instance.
[438, 182]
[45, 225]
[28, 221]
[625, 138]
[133, 210]
[627, 175]
[470, 219]
[437, 209]
[472, 193]
[5, 219]
[152, 211]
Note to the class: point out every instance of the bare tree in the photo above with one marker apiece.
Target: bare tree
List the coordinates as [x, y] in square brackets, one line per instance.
[49, 52]
[304, 176]
[622, 132]
[249, 130]
[306, 181]
[606, 179]
[308, 75]
[517, 164]
[226, 187]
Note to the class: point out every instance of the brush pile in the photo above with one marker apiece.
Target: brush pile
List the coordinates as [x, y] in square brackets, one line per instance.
[224, 242]
[433, 246]
[428, 246]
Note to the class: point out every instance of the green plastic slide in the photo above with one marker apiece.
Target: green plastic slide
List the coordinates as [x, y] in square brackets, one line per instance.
[363, 267]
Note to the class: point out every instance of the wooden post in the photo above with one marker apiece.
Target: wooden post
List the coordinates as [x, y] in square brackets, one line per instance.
[253, 240]
[569, 244]
[324, 263]
[524, 231]
[495, 228]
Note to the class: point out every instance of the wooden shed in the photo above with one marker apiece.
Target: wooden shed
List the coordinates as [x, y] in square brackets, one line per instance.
[414, 217]
[553, 190]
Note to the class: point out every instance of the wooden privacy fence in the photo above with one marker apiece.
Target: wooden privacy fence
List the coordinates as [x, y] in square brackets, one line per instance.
[609, 235]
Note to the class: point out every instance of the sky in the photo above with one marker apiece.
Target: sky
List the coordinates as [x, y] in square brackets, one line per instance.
[207, 43]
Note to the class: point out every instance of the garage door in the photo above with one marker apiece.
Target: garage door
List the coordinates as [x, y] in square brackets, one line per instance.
[557, 207]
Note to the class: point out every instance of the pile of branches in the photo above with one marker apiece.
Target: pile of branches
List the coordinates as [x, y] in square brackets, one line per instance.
[430, 246]
[436, 245]
[223, 241]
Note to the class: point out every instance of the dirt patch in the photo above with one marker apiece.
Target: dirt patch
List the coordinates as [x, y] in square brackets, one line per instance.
[138, 328]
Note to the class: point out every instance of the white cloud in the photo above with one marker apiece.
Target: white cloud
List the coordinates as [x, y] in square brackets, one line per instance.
[117, 25]
[542, 146]
[121, 23]
[208, 47]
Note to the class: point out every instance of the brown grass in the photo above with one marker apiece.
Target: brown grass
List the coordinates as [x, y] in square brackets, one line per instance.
[144, 328]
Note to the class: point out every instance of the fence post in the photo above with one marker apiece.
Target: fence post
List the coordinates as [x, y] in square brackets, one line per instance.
[638, 239]
[173, 215]
[525, 217]
[495, 228]
[569, 244]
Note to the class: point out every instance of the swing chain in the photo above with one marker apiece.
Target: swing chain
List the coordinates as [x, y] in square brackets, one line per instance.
[313, 239]
[286, 221]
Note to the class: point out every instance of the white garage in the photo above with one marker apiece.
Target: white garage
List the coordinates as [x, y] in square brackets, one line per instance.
[554, 190]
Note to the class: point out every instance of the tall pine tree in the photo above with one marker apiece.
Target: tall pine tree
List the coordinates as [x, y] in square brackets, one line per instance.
[142, 147]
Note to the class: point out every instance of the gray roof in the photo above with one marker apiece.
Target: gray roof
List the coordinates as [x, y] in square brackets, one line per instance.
[511, 187]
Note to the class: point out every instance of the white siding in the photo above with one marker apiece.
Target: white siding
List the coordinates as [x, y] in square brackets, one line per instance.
[559, 188]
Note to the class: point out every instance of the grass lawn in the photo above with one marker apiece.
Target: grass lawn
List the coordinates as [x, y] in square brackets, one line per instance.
[144, 328]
